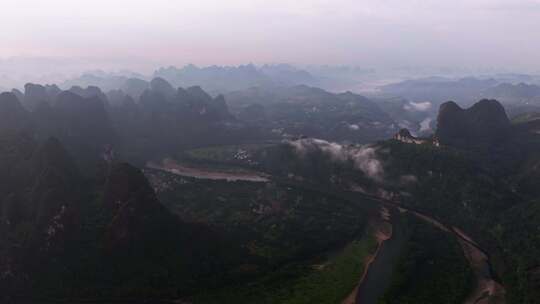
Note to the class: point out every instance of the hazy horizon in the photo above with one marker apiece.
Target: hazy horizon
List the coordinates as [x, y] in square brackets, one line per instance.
[318, 151]
[142, 35]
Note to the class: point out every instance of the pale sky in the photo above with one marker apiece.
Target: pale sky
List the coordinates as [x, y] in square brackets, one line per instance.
[501, 33]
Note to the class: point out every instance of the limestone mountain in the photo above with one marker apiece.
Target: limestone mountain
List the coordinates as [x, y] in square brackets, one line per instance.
[82, 124]
[40, 207]
[89, 92]
[485, 123]
[34, 94]
[13, 116]
[215, 78]
[62, 233]
[134, 87]
[167, 119]
[163, 87]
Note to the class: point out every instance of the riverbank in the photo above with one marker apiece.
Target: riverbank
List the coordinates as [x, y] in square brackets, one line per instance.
[487, 289]
[379, 274]
[383, 230]
[172, 166]
[323, 283]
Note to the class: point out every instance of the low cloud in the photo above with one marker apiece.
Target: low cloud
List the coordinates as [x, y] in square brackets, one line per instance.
[425, 125]
[409, 179]
[363, 157]
[418, 106]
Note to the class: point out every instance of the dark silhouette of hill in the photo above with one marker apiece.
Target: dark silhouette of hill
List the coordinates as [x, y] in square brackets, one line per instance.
[166, 119]
[64, 235]
[485, 123]
[13, 116]
[145, 121]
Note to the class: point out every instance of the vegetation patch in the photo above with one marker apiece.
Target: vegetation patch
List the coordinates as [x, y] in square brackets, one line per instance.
[431, 269]
[327, 282]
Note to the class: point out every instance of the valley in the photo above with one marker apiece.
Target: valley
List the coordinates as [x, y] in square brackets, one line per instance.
[317, 197]
[391, 233]
[270, 152]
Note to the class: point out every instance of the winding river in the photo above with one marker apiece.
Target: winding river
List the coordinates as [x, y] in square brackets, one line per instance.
[379, 272]
[378, 276]
[172, 166]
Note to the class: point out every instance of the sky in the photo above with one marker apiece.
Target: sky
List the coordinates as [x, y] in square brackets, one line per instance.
[371, 33]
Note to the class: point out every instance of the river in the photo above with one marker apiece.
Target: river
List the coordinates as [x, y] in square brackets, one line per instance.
[176, 168]
[379, 272]
[378, 275]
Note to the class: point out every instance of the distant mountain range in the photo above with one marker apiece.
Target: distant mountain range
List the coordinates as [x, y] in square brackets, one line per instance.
[227, 79]
[464, 91]
[439, 90]
[215, 79]
[139, 106]
[146, 119]
[312, 112]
